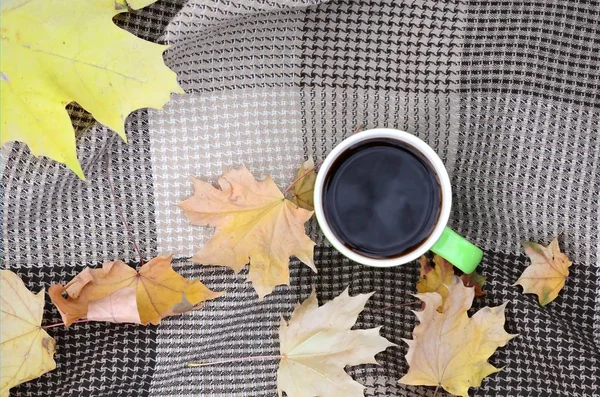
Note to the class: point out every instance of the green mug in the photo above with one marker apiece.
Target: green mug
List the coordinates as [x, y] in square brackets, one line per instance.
[442, 240]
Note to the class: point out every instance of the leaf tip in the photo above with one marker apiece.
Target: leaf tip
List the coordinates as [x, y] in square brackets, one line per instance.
[75, 166]
[179, 90]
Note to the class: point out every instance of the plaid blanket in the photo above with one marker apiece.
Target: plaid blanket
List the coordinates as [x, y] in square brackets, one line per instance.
[506, 91]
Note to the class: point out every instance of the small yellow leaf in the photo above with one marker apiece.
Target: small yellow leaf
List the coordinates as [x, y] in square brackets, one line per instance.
[117, 293]
[60, 51]
[254, 224]
[547, 273]
[435, 279]
[449, 349]
[438, 278]
[304, 185]
[317, 343]
[27, 350]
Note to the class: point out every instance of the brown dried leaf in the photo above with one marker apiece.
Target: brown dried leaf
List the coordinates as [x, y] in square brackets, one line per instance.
[476, 281]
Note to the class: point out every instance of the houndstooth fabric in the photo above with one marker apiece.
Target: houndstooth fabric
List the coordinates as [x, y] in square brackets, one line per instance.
[507, 92]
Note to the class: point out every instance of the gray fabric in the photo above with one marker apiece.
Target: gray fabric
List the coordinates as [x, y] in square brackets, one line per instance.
[505, 91]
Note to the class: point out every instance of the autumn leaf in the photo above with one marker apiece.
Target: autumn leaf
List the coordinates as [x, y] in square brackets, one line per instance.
[548, 272]
[317, 343]
[304, 186]
[449, 349]
[60, 51]
[476, 281]
[117, 293]
[135, 4]
[437, 279]
[27, 350]
[254, 224]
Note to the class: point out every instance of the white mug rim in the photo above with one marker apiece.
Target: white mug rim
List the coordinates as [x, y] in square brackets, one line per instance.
[438, 167]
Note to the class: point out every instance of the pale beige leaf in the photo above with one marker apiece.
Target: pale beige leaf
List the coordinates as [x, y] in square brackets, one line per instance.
[547, 273]
[449, 349]
[317, 344]
[27, 350]
[254, 224]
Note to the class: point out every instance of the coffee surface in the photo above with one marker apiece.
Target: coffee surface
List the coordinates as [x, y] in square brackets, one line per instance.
[382, 198]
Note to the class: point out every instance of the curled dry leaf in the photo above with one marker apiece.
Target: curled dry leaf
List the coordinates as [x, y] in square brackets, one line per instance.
[438, 278]
[317, 343]
[547, 273]
[27, 350]
[304, 185]
[117, 293]
[60, 51]
[449, 349]
[476, 281]
[254, 223]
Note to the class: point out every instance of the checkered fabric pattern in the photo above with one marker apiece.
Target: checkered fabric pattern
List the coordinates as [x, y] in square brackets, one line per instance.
[506, 91]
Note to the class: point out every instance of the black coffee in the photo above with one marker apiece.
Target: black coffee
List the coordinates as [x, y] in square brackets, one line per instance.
[382, 198]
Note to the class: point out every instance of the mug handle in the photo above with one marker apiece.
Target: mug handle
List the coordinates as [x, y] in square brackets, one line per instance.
[458, 250]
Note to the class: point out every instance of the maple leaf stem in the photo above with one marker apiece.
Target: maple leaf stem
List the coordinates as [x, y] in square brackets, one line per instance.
[237, 360]
[59, 324]
[436, 391]
[381, 309]
[308, 171]
[120, 210]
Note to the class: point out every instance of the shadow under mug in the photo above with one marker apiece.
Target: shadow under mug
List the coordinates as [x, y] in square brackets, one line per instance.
[442, 240]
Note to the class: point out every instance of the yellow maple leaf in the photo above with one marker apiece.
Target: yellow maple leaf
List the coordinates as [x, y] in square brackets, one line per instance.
[57, 52]
[27, 350]
[117, 293]
[304, 185]
[254, 224]
[449, 349]
[547, 273]
[435, 279]
[317, 343]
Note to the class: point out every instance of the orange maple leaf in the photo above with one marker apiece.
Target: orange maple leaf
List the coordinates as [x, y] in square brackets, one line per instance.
[117, 293]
